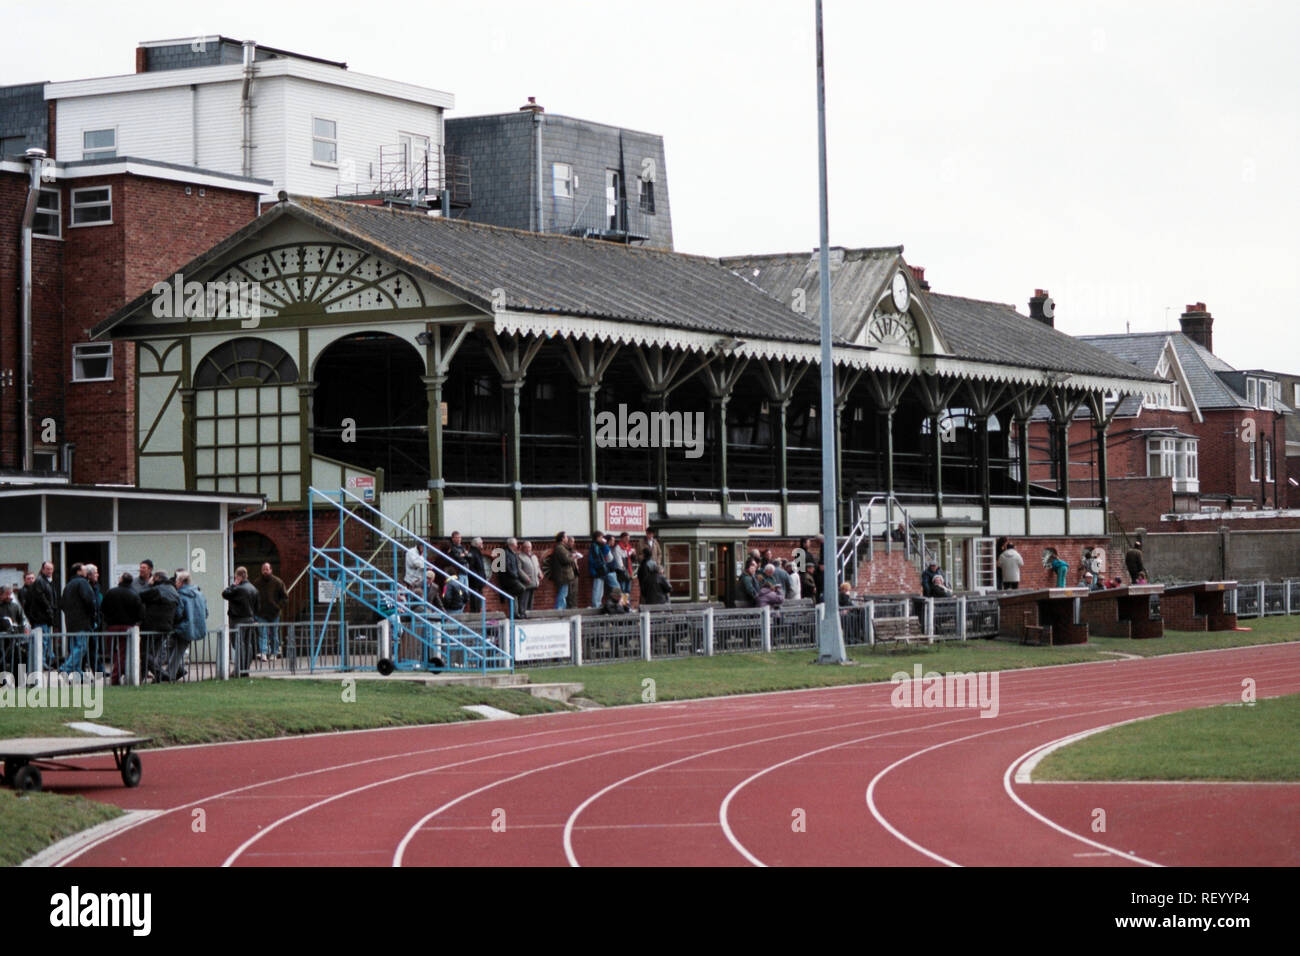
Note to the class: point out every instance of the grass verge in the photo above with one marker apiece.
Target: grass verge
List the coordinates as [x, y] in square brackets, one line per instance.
[1229, 742]
[251, 708]
[30, 822]
[681, 679]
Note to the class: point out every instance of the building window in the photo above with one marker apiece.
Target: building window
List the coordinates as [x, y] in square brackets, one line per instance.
[1268, 460]
[99, 144]
[324, 141]
[49, 219]
[1254, 463]
[1250, 391]
[246, 420]
[648, 197]
[1174, 458]
[92, 363]
[93, 206]
[1295, 395]
[562, 180]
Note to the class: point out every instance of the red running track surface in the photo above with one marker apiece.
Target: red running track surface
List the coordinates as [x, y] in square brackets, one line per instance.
[830, 776]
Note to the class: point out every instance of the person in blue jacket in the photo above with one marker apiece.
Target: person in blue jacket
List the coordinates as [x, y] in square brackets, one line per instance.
[600, 564]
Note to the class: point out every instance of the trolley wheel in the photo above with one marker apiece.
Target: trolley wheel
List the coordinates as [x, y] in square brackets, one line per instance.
[385, 666]
[436, 663]
[131, 770]
[27, 778]
[11, 768]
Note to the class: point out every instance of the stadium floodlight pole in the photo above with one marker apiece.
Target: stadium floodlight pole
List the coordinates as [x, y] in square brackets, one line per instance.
[830, 650]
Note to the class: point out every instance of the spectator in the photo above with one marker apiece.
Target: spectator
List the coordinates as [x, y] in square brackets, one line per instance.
[846, 595]
[1142, 577]
[626, 555]
[414, 566]
[796, 580]
[122, 610]
[145, 578]
[1009, 564]
[454, 595]
[1134, 563]
[92, 640]
[1052, 561]
[932, 570]
[615, 602]
[162, 618]
[42, 609]
[749, 583]
[477, 563]
[457, 551]
[511, 578]
[783, 578]
[651, 543]
[1087, 580]
[600, 567]
[434, 580]
[770, 591]
[193, 626]
[899, 533]
[241, 602]
[807, 584]
[79, 610]
[531, 569]
[562, 568]
[1115, 582]
[939, 588]
[271, 599]
[655, 588]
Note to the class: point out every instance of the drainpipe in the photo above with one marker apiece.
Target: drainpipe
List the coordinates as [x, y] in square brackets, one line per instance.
[246, 105]
[35, 158]
[194, 123]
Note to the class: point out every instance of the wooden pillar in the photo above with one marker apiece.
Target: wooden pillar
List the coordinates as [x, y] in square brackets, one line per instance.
[782, 466]
[938, 463]
[514, 386]
[589, 456]
[720, 407]
[1022, 429]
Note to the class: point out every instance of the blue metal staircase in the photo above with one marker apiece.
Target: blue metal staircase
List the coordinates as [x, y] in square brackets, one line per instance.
[422, 635]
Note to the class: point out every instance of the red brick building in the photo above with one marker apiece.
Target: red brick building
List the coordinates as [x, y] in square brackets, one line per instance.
[1217, 446]
[103, 230]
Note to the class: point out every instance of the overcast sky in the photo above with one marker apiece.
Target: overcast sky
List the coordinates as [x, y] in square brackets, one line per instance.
[1128, 158]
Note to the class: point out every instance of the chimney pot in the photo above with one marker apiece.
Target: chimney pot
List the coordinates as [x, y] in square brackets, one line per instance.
[1198, 325]
[1038, 308]
[918, 273]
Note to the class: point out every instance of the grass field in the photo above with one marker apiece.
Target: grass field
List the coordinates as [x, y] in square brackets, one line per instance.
[622, 683]
[247, 709]
[1236, 742]
[30, 822]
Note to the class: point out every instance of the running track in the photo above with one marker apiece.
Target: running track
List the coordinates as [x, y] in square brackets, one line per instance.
[720, 782]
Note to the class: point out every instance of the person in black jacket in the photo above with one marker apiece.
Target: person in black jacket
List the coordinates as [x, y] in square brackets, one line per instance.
[511, 579]
[79, 611]
[655, 588]
[41, 607]
[122, 610]
[162, 613]
[241, 597]
[476, 562]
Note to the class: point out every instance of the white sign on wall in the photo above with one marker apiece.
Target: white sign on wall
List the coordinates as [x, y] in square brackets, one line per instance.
[543, 640]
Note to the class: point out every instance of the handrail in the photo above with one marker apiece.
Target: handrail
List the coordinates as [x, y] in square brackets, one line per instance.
[419, 540]
[417, 613]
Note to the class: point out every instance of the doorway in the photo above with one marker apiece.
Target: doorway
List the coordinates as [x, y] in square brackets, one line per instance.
[64, 554]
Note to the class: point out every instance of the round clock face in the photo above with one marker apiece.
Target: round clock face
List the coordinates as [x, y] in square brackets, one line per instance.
[900, 292]
[1049, 308]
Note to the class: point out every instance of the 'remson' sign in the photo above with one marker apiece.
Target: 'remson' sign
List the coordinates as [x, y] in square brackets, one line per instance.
[761, 518]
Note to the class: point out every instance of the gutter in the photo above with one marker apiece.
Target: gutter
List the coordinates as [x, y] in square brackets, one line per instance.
[35, 159]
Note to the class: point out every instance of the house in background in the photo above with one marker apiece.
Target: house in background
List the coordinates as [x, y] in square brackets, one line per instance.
[1214, 444]
[591, 180]
[302, 123]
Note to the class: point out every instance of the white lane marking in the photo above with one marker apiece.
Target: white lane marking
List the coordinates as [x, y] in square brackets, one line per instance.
[419, 824]
[307, 773]
[1010, 790]
[405, 776]
[725, 807]
[1025, 773]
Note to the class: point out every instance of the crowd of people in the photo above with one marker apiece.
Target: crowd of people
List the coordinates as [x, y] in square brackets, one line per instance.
[169, 608]
[518, 570]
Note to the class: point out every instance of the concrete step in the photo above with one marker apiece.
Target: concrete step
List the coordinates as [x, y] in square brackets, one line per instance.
[558, 691]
